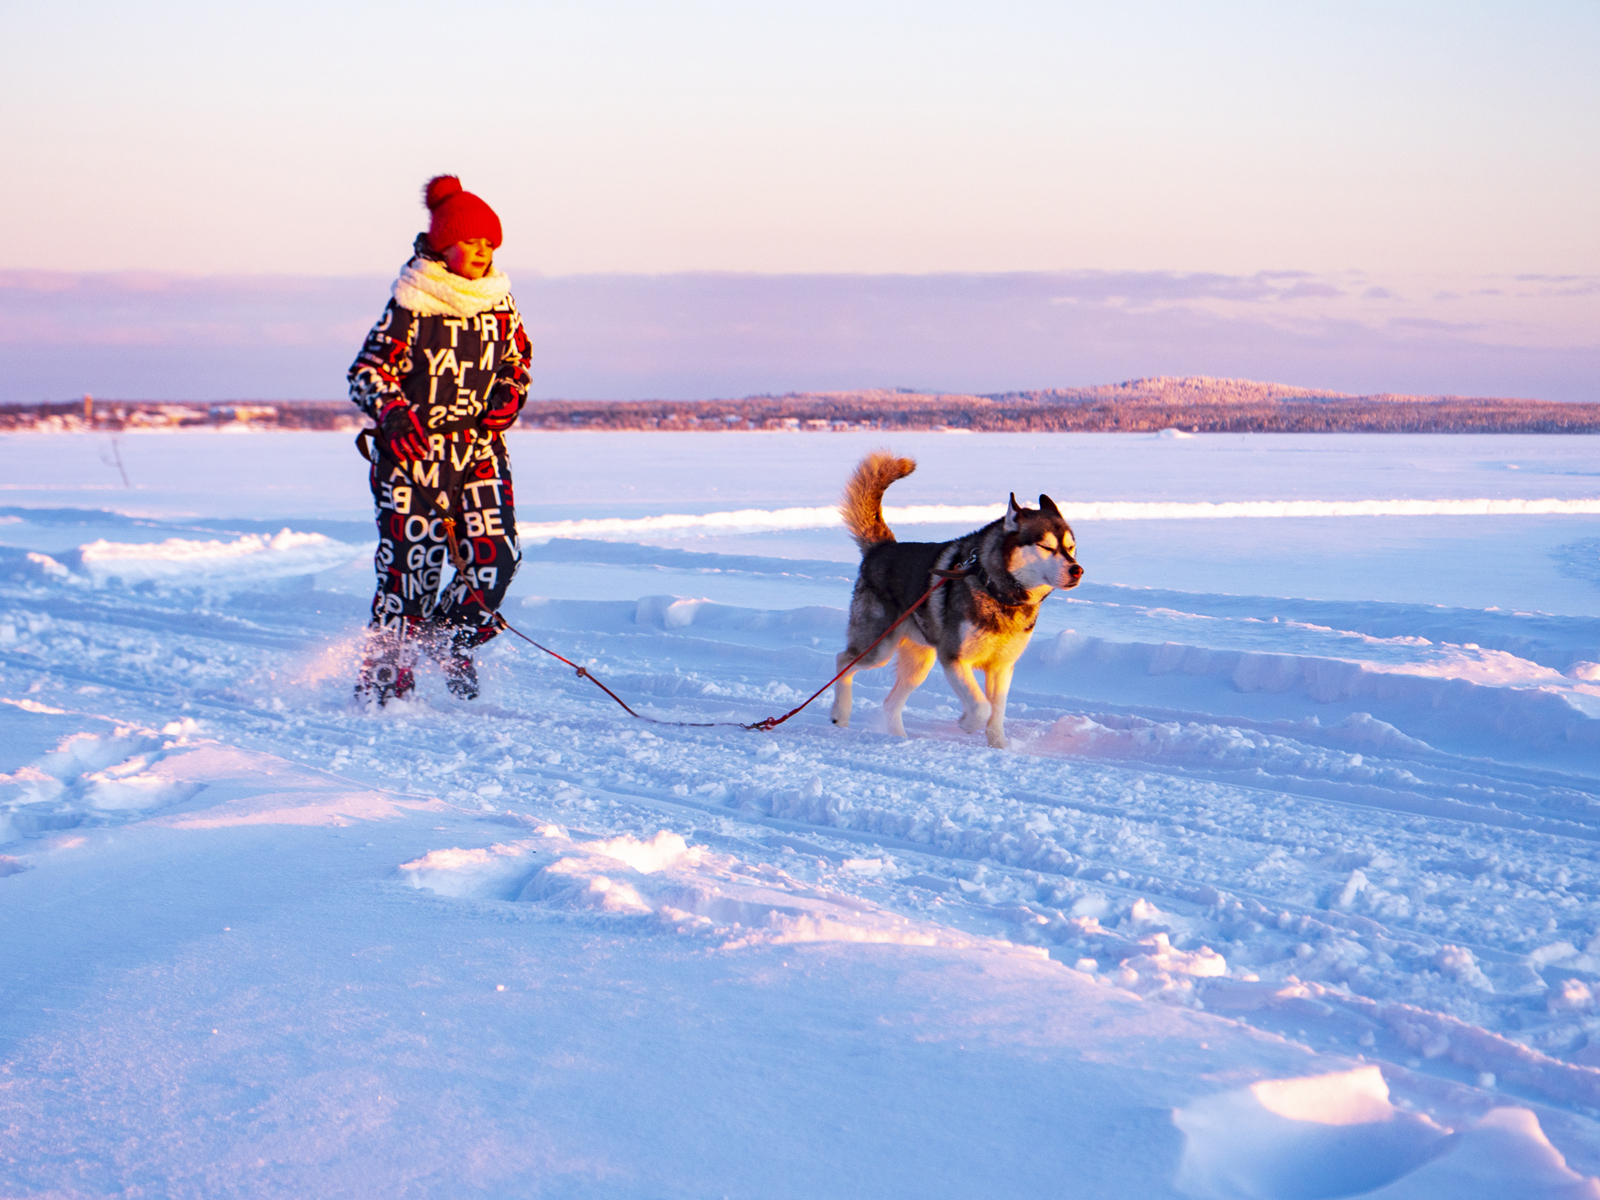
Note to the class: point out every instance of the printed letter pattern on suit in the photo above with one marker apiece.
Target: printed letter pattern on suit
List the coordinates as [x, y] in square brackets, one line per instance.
[465, 378]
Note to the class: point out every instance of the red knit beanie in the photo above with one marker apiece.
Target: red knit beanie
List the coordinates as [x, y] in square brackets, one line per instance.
[457, 216]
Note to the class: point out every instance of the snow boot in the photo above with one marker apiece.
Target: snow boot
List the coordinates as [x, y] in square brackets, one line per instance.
[383, 679]
[451, 646]
[461, 676]
[386, 672]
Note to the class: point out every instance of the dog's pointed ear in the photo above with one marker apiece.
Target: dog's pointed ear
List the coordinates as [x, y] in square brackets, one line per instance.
[1011, 514]
[1048, 506]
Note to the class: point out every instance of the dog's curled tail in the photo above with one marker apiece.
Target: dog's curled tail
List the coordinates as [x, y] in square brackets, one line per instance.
[862, 506]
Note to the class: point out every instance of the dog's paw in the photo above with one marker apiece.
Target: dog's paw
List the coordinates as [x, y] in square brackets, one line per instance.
[973, 721]
[999, 741]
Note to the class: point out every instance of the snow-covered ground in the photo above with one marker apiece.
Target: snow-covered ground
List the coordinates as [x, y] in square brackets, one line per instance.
[1287, 888]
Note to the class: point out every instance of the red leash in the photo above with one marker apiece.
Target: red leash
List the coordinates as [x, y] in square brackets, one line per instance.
[770, 723]
[364, 441]
[583, 672]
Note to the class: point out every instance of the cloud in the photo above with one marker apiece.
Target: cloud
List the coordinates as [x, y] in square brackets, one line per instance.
[1304, 291]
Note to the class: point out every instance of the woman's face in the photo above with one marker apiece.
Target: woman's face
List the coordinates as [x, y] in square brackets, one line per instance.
[470, 259]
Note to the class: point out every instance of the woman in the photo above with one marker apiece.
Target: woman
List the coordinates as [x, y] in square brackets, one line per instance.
[443, 374]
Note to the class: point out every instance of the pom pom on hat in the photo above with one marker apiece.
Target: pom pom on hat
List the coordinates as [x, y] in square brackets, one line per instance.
[439, 189]
[457, 215]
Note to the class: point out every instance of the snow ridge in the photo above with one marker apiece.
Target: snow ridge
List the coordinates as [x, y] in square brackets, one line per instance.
[756, 520]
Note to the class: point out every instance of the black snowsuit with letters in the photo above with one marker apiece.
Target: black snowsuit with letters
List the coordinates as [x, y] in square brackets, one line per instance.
[465, 378]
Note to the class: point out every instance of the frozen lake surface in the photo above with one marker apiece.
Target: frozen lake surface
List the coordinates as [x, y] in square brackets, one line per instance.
[1292, 797]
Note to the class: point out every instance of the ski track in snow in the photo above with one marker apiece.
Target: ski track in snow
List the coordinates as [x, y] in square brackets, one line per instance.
[1371, 828]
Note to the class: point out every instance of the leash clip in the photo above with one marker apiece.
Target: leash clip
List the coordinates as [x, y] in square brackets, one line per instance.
[967, 567]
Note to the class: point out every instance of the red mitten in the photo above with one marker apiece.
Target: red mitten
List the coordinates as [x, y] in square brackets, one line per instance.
[403, 432]
[498, 420]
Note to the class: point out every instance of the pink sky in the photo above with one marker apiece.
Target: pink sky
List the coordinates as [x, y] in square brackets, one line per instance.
[147, 335]
[866, 136]
[1443, 153]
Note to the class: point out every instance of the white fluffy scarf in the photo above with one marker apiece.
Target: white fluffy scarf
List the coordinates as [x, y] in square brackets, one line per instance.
[432, 290]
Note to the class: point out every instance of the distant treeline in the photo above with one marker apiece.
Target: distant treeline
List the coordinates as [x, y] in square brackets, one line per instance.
[997, 415]
[1193, 403]
[90, 414]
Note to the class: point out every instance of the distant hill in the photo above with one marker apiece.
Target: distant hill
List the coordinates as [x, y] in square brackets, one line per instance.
[1196, 403]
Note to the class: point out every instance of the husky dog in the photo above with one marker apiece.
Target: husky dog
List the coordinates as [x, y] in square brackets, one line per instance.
[981, 620]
